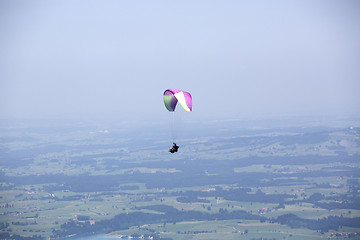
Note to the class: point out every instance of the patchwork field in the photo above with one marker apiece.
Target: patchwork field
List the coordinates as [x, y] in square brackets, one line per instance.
[291, 183]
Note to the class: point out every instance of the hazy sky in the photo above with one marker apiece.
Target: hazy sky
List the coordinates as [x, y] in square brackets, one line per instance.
[239, 59]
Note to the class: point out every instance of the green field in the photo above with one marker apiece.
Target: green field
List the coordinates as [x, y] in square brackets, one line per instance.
[39, 197]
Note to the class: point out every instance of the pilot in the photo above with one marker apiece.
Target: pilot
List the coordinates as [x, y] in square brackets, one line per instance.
[174, 148]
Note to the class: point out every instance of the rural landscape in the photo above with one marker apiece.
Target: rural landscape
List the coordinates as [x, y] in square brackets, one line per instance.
[100, 138]
[228, 181]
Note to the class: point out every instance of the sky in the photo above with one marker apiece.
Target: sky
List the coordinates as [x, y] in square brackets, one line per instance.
[238, 59]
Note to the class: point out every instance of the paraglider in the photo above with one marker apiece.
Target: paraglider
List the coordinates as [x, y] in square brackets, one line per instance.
[171, 98]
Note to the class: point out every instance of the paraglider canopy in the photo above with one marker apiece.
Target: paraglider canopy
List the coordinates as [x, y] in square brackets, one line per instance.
[173, 96]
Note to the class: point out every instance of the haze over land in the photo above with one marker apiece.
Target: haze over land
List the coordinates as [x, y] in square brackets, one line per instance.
[227, 181]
